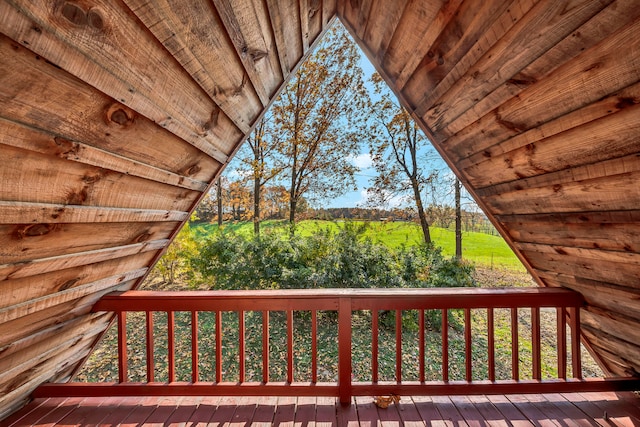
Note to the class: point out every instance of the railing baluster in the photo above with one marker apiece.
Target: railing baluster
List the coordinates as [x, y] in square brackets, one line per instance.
[576, 363]
[515, 356]
[344, 349]
[445, 345]
[150, 364]
[463, 301]
[122, 347]
[241, 344]
[218, 346]
[171, 345]
[491, 344]
[561, 314]
[398, 345]
[421, 344]
[195, 372]
[265, 346]
[374, 345]
[289, 346]
[467, 345]
[314, 346]
[535, 343]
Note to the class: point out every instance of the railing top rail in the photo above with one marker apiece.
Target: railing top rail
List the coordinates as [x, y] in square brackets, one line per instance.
[328, 299]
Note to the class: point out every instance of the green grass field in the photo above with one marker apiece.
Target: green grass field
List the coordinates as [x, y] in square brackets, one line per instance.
[483, 249]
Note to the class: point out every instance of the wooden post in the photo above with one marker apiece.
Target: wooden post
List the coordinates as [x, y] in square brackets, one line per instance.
[171, 347]
[421, 344]
[195, 373]
[445, 345]
[491, 345]
[289, 346]
[399, 345]
[374, 346]
[241, 346]
[265, 346]
[344, 350]
[576, 363]
[467, 345]
[314, 346]
[218, 346]
[122, 346]
[150, 365]
[535, 343]
[561, 314]
[515, 356]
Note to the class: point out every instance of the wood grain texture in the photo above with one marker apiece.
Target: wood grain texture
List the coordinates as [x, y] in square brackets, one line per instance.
[78, 184]
[612, 18]
[122, 61]
[246, 24]
[28, 242]
[598, 72]
[25, 212]
[115, 117]
[39, 95]
[470, 33]
[201, 48]
[523, 43]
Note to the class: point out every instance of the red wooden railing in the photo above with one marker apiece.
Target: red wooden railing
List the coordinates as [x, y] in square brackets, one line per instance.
[345, 303]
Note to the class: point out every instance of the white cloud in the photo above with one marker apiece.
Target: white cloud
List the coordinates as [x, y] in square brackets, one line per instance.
[362, 160]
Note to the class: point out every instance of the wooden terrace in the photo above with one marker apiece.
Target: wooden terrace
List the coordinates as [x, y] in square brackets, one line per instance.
[527, 398]
[558, 409]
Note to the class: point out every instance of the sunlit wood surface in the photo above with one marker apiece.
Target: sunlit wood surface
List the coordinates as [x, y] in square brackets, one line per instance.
[587, 409]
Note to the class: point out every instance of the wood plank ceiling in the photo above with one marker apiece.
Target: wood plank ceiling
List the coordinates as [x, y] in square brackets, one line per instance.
[116, 116]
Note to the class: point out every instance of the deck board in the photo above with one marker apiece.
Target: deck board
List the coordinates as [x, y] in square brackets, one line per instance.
[568, 409]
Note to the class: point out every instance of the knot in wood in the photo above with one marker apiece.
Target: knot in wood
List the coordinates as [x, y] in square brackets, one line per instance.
[74, 14]
[193, 169]
[94, 18]
[34, 230]
[120, 115]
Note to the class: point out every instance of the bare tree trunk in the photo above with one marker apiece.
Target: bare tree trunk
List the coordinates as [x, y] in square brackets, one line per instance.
[458, 221]
[256, 206]
[219, 196]
[424, 224]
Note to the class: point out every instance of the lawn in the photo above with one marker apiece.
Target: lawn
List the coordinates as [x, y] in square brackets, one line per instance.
[480, 248]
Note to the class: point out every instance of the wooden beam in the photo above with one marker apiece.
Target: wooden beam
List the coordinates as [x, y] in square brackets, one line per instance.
[492, 70]
[32, 267]
[93, 289]
[12, 212]
[246, 24]
[76, 112]
[19, 291]
[78, 184]
[205, 51]
[114, 54]
[29, 242]
[15, 135]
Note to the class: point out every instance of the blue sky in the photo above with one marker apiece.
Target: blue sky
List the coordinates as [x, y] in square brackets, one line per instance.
[362, 160]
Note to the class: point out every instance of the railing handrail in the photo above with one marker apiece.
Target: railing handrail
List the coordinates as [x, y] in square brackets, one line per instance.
[327, 299]
[345, 302]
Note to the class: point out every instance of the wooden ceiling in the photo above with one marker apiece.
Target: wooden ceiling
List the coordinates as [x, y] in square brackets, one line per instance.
[116, 116]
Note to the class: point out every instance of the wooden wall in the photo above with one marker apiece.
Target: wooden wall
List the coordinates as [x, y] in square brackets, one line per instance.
[116, 116]
[535, 105]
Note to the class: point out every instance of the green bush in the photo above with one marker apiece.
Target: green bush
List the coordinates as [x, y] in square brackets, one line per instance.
[325, 259]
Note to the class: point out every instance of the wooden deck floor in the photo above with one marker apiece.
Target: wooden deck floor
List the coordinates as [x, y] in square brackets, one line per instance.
[572, 409]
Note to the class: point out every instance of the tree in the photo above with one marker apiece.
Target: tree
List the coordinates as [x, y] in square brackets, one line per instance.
[319, 116]
[263, 165]
[458, 186]
[175, 260]
[396, 144]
